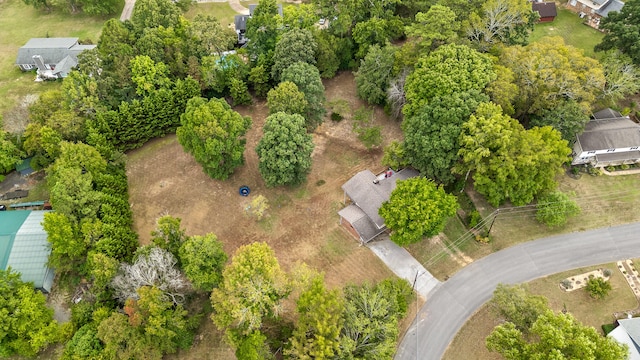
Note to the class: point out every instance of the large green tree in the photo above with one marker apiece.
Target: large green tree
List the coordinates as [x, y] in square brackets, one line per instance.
[284, 150]
[9, 153]
[211, 36]
[431, 136]
[417, 208]
[509, 162]
[514, 303]
[263, 29]
[555, 208]
[27, 323]
[203, 259]
[554, 336]
[252, 289]
[307, 79]
[435, 27]
[374, 74]
[294, 45]
[213, 133]
[317, 332]
[623, 31]
[568, 117]
[621, 75]
[168, 235]
[148, 14]
[371, 318]
[450, 69]
[549, 72]
[286, 98]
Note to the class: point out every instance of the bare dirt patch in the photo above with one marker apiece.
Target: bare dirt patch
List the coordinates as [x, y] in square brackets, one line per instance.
[301, 225]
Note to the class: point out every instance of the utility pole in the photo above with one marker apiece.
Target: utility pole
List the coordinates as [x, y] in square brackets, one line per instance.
[492, 221]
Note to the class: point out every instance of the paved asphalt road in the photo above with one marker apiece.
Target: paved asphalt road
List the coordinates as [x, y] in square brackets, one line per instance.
[452, 303]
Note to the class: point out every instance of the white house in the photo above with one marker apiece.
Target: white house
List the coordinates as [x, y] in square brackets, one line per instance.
[608, 139]
[628, 332]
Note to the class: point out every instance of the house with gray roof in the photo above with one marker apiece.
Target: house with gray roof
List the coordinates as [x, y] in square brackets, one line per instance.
[24, 247]
[240, 23]
[52, 57]
[594, 10]
[367, 192]
[608, 139]
[628, 332]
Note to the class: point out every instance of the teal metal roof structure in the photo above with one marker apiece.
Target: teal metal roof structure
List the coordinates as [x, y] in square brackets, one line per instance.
[24, 247]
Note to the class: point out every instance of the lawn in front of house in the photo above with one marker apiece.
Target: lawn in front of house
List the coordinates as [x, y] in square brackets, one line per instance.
[572, 29]
[469, 342]
[19, 23]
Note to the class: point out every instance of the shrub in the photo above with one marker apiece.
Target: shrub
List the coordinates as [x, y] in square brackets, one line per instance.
[566, 283]
[624, 167]
[606, 272]
[598, 288]
[474, 218]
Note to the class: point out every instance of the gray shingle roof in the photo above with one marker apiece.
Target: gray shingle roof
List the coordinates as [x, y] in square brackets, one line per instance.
[614, 133]
[632, 328]
[52, 50]
[360, 221]
[369, 196]
[607, 113]
[613, 5]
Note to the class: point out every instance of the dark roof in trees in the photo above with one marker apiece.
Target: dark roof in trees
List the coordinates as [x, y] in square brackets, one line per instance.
[609, 130]
[545, 9]
[369, 196]
[52, 50]
[613, 5]
[240, 22]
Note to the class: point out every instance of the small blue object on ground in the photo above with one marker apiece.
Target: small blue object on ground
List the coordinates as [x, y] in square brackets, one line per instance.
[244, 190]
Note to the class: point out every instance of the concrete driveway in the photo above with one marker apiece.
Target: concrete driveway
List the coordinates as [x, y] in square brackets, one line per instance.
[404, 265]
[450, 305]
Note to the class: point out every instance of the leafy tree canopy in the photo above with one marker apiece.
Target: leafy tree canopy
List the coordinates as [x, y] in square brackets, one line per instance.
[515, 304]
[252, 288]
[203, 259]
[549, 72]
[555, 208]
[294, 46]
[213, 133]
[622, 31]
[27, 323]
[374, 74]
[10, 155]
[569, 118]
[284, 150]
[510, 163]
[502, 21]
[436, 26]
[149, 14]
[431, 136]
[450, 69]
[286, 98]
[554, 336]
[417, 208]
[307, 79]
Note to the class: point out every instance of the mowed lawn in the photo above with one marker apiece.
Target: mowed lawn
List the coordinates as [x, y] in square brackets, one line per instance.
[19, 23]
[469, 342]
[571, 28]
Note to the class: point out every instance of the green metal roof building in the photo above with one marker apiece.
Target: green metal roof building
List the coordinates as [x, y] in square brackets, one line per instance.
[24, 247]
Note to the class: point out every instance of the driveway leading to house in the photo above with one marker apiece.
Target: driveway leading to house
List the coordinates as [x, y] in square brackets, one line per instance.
[451, 304]
[127, 10]
[404, 265]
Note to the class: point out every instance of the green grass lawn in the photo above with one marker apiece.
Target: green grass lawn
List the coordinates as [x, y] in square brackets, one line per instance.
[19, 23]
[571, 28]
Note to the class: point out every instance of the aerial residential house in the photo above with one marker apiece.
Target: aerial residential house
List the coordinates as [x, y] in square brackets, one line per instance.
[52, 57]
[628, 332]
[240, 23]
[24, 247]
[546, 10]
[594, 10]
[367, 192]
[609, 139]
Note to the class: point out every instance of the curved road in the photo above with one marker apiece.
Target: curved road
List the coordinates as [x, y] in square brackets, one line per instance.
[451, 304]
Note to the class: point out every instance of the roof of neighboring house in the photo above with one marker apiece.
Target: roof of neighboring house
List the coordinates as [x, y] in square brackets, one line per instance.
[24, 246]
[252, 8]
[369, 196]
[65, 65]
[360, 221]
[52, 50]
[240, 22]
[604, 132]
[545, 9]
[628, 332]
[613, 5]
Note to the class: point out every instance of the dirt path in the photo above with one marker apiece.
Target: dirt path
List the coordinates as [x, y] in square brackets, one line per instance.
[127, 10]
